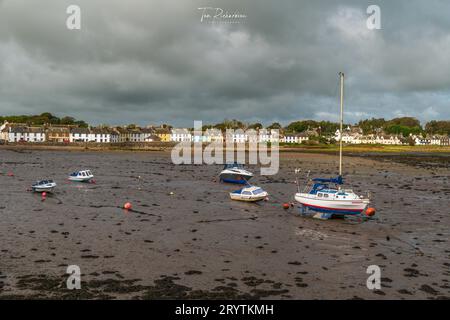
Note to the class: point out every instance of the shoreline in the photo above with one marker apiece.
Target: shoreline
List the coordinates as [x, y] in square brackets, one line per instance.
[167, 146]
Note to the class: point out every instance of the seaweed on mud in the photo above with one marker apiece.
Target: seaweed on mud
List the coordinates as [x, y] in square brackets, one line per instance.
[47, 287]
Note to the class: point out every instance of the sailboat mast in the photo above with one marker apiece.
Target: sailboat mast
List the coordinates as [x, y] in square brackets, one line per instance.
[341, 74]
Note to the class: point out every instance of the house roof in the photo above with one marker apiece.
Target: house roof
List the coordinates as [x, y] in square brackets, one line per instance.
[79, 130]
[17, 129]
[58, 130]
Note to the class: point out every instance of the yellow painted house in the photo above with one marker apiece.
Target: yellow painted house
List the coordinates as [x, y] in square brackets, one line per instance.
[164, 134]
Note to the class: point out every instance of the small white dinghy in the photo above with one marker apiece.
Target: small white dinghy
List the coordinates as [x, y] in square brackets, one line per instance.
[43, 186]
[81, 176]
[249, 194]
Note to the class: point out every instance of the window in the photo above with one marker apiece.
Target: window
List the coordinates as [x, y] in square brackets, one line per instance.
[320, 195]
[257, 191]
[325, 195]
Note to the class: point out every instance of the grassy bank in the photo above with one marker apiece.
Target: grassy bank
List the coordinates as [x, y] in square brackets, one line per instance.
[167, 146]
[371, 148]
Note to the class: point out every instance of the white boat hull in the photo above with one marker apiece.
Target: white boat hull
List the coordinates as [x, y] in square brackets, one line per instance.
[332, 206]
[47, 189]
[81, 179]
[246, 198]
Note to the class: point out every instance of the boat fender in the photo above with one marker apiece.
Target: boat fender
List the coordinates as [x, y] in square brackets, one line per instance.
[127, 206]
[370, 212]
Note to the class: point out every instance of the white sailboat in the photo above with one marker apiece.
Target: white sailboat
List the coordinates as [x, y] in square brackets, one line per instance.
[327, 197]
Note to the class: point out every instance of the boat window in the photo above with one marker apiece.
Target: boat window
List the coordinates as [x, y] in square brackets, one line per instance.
[325, 195]
[320, 195]
[247, 193]
[258, 191]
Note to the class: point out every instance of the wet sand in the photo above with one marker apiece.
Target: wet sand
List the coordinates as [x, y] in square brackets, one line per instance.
[197, 243]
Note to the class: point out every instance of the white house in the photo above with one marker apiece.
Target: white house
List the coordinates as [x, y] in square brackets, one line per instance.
[387, 139]
[4, 131]
[268, 135]
[79, 135]
[181, 135]
[25, 134]
[147, 135]
[114, 135]
[201, 137]
[431, 140]
[99, 135]
[295, 137]
[214, 135]
[236, 136]
[35, 134]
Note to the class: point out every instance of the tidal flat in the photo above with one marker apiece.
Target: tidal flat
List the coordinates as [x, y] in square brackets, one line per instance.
[185, 238]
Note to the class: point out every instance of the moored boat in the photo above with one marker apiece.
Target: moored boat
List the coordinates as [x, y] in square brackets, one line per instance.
[81, 176]
[43, 186]
[249, 194]
[326, 197]
[235, 173]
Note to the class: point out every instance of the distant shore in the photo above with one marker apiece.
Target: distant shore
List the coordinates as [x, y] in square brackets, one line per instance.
[167, 146]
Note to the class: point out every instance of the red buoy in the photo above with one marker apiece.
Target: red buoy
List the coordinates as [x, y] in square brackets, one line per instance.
[286, 206]
[370, 212]
[127, 206]
[10, 174]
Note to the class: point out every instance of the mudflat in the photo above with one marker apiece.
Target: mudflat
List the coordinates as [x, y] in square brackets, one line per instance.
[185, 238]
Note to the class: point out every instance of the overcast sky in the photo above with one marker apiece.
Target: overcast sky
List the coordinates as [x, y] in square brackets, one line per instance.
[148, 62]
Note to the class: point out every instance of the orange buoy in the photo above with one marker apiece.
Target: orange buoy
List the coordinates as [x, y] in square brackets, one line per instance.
[286, 206]
[370, 212]
[127, 206]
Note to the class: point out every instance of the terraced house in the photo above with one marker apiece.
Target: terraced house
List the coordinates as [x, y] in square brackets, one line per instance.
[26, 134]
[58, 134]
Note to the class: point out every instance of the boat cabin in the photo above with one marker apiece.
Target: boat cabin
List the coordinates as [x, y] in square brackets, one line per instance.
[42, 182]
[83, 173]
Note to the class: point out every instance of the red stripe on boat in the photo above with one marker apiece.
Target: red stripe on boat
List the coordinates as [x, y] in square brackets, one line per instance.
[336, 209]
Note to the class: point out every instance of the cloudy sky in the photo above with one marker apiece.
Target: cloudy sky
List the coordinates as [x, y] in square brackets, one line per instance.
[148, 62]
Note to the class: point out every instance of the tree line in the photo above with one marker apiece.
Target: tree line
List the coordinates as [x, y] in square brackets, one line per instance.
[402, 125]
[42, 119]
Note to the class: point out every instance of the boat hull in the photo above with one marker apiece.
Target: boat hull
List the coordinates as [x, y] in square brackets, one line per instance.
[253, 198]
[81, 179]
[43, 189]
[235, 178]
[333, 207]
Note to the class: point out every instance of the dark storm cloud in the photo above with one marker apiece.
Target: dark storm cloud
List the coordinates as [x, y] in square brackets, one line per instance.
[154, 61]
